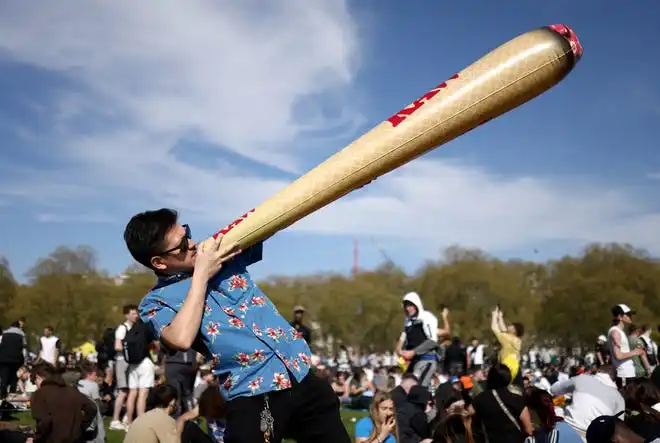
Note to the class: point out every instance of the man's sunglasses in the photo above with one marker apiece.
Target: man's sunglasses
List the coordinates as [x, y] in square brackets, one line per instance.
[183, 246]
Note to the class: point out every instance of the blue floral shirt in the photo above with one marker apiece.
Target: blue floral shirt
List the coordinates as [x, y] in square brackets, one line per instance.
[252, 348]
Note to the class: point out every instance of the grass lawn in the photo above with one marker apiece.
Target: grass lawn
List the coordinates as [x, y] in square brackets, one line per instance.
[348, 417]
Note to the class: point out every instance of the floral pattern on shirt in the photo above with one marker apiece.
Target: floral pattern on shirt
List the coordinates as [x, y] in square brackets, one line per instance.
[252, 348]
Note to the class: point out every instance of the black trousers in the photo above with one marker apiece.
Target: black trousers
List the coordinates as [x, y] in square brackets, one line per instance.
[182, 377]
[8, 378]
[307, 413]
[623, 382]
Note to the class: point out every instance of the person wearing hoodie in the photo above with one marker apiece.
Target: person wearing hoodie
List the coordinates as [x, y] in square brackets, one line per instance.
[418, 341]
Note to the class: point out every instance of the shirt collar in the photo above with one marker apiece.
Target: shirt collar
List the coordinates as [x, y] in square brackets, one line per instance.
[166, 280]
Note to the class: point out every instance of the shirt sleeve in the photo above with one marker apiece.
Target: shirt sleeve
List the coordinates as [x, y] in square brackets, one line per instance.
[363, 428]
[431, 323]
[563, 387]
[156, 315]
[41, 416]
[120, 332]
[253, 254]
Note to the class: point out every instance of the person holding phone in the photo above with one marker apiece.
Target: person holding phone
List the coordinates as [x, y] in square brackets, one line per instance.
[510, 339]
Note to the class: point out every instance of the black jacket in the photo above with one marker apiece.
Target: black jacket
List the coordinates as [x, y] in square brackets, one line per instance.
[12, 345]
[411, 417]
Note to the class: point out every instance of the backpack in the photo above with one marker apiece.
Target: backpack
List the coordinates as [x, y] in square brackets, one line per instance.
[653, 359]
[136, 343]
[106, 347]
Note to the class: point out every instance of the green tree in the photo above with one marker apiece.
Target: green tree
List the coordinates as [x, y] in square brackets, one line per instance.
[566, 300]
[8, 289]
[583, 289]
[470, 283]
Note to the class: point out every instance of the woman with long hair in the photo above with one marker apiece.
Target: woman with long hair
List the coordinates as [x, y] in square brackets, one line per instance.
[361, 390]
[380, 426]
[551, 428]
[501, 412]
[213, 408]
[455, 427]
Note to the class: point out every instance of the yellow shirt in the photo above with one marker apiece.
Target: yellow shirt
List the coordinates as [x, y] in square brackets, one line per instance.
[87, 348]
[510, 352]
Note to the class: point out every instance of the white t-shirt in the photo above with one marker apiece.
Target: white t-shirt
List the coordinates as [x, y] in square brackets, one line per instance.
[120, 334]
[49, 347]
[532, 356]
[476, 354]
[624, 368]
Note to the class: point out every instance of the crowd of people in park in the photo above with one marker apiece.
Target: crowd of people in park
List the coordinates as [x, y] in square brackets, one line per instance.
[207, 357]
[474, 391]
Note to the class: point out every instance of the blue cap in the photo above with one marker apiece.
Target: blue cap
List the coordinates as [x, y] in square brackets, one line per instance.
[454, 379]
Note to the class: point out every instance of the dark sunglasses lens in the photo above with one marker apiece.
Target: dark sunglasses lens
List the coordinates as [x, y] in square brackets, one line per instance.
[184, 244]
[188, 233]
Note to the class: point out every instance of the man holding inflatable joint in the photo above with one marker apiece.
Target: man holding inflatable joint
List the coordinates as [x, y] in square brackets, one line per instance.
[206, 300]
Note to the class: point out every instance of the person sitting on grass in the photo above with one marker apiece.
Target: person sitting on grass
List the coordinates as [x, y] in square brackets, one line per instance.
[213, 408]
[156, 425]
[60, 412]
[89, 386]
[361, 390]
[380, 426]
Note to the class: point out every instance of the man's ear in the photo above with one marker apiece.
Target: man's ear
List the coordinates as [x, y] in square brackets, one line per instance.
[158, 263]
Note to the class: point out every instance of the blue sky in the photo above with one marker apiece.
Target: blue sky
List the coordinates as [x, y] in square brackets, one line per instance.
[109, 108]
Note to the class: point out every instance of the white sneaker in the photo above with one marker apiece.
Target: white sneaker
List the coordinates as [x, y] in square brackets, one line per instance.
[116, 425]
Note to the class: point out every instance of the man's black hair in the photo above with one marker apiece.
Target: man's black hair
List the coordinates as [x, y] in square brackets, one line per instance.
[410, 376]
[161, 396]
[499, 376]
[145, 234]
[130, 307]
[519, 328]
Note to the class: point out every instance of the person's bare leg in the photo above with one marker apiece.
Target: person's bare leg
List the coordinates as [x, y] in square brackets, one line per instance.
[119, 402]
[130, 404]
[142, 400]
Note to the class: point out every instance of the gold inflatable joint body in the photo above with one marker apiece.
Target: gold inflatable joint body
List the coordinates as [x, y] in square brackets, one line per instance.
[505, 78]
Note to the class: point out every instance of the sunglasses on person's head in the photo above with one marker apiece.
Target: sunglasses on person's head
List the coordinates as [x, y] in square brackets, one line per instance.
[183, 246]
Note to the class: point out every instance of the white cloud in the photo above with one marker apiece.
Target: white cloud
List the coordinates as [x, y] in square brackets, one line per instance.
[432, 204]
[232, 72]
[240, 75]
[66, 218]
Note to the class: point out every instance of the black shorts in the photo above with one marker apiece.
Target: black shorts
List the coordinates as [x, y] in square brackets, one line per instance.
[622, 382]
